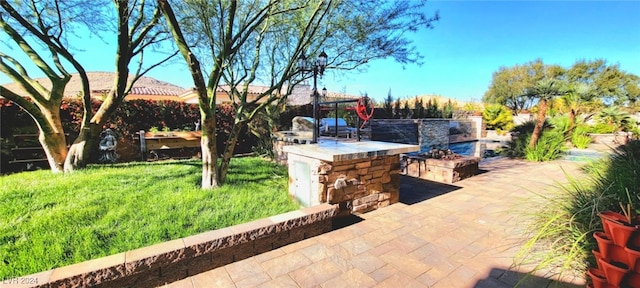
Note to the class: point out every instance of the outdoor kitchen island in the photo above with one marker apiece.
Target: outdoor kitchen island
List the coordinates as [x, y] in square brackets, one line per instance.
[359, 176]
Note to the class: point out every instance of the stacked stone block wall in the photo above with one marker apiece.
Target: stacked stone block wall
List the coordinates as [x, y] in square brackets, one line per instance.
[433, 133]
[170, 261]
[369, 183]
[427, 133]
[285, 138]
[466, 131]
[404, 131]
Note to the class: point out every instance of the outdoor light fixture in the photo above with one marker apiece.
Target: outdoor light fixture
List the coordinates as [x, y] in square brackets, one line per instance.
[316, 68]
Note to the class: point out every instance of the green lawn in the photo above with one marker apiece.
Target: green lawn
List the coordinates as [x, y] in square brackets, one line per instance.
[51, 220]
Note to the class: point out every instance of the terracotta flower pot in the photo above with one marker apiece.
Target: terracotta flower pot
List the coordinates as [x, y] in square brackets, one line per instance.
[632, 280]
[634, 241]
[597, 255]
[609, 216]
[604, 243]
[598, 279]
[632, 256]
[614, 271]
[621, 233]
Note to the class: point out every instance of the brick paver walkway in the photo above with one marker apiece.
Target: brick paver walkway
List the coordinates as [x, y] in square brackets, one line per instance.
[462, 235]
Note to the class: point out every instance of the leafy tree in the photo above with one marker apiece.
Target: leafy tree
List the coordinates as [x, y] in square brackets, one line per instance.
[508, 88]
[510, 85]
[631, 92]
[50, 24]
[247, 41]
[607, 82]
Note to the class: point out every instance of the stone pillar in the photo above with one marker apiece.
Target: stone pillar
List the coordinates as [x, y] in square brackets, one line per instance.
[478, 125]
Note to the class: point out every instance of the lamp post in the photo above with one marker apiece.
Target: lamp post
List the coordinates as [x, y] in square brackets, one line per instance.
[316, 68]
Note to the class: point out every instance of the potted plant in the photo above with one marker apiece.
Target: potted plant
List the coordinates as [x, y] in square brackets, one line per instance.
[621, 226]
[617, 244]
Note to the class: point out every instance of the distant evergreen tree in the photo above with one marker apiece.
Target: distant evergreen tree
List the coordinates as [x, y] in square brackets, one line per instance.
[406, 112]
[397, 112]
[432, 110]
[447, 110]
[419, 109]
[388, 105]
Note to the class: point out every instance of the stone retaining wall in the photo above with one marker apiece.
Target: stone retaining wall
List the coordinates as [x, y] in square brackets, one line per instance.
[177, 259]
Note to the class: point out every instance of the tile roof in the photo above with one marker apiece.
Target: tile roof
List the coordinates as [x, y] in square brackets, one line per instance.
[103, 81]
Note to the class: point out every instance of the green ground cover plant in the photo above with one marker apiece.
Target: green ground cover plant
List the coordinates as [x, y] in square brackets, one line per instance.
[51, 220]
[560, 238]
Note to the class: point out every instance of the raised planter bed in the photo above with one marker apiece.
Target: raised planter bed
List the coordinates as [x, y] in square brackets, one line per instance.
[440, 170]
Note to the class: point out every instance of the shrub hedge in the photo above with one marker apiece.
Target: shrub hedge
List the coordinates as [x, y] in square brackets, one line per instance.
[130, 117]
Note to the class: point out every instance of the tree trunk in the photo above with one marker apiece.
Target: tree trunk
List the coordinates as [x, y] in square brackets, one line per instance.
[80, 151]
[537, 130]
[228, 152]
[209, 153]
[52, 136]
[572, 123]
[55, 148]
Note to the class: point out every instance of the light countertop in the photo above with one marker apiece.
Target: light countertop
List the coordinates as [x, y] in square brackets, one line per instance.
[332, 150]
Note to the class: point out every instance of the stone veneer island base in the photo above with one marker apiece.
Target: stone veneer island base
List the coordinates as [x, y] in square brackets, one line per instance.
[358, 176]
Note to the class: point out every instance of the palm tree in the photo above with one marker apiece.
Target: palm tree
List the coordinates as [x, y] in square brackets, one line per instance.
[543, 90]
[578, 100]
[615, 117]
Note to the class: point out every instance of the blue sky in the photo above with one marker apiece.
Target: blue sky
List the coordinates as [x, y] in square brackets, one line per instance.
[470, 42]
[473, 39]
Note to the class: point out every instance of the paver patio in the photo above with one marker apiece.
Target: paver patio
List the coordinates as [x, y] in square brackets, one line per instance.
[438, 236]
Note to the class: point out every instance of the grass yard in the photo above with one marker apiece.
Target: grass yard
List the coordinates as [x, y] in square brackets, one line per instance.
[51, 220]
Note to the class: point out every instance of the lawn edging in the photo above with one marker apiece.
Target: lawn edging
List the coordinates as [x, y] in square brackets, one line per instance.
[173, 260]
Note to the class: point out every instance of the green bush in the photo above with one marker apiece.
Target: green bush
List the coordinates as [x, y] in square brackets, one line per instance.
[560, 124]
[580, 137]
[560, 237]
[135, 115]
[517, 147]
[550, 147]
[580, 141]
[497, 117]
